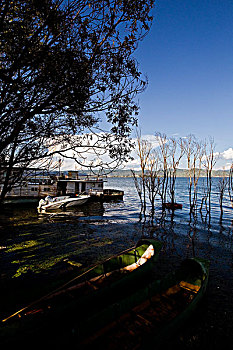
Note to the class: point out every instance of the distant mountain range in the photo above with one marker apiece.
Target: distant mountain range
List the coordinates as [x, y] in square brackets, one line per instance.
[180, 173]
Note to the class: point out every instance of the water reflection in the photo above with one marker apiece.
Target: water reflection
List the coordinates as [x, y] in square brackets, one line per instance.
[31, 243]
[17, 213]
[38, 242]
[90, 210]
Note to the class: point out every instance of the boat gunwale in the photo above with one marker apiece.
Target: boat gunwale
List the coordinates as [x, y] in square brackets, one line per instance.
[91, 269]
[157, 286]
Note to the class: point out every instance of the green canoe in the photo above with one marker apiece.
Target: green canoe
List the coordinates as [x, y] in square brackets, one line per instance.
[150, 315]
[86, 294]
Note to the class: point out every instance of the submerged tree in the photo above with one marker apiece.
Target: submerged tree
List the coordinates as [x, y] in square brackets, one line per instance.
[162, 140]
[65, 64]
[176, 153]
[152, 182]
[222, 186]
[160, 162]
[138, 186]
[143, 149]
[209, 162]
[230, 184]
[194, 152]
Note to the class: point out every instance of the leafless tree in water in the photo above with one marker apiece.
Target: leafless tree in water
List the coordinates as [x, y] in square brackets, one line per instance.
[230, 184]
[176, 153]
[163, 143]
[152, 183]
[143, 149]
[209, 161]
[222, 186]
[138, 186]
[194, 151]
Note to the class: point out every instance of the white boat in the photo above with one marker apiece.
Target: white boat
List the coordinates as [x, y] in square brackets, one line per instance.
[61, 202]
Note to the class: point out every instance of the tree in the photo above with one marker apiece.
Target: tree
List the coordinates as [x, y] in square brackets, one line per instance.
[209, 162]
[222, 185]
[138, 186]
[162, 140]
[176, 153]
[152, 182]
[65, 64]
[144, 149]
[194, 151]
[230, 184]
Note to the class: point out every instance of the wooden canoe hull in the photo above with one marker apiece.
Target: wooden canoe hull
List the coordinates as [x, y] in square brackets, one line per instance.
[57, 312]
[119, 320]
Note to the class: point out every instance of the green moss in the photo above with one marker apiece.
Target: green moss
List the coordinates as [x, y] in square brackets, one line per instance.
[102, 243]
[74, 263]
[37, 267]
[23, 245]
[21, 270]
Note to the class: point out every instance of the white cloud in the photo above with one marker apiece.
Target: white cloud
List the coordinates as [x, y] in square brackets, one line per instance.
[228, 154]
[89, 150]
[224, 159]
[135, 163]
[152, 139]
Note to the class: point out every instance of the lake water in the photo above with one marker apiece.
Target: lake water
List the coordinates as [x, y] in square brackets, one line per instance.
[36, 247]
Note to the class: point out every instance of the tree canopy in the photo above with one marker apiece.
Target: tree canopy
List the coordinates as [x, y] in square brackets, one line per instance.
[64, 65]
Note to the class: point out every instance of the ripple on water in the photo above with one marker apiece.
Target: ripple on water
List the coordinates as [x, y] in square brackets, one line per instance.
[98, 230]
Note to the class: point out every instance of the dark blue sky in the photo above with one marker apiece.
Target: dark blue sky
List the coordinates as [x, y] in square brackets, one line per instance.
[188, 58]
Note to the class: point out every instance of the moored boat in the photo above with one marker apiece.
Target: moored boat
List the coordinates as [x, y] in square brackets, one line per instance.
[86, 294]
[106, 195]
[112, 194]
[152, 314]
[61, 202]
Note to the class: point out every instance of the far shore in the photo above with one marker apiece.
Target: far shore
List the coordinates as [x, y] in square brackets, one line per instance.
[180, 173]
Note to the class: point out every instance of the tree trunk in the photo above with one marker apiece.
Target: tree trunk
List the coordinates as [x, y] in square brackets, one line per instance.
[6, 186]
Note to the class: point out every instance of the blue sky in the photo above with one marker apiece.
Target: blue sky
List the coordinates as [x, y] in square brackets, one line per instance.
[188, 59]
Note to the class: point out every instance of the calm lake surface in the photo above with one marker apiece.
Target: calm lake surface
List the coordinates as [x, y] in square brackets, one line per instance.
[36, 249]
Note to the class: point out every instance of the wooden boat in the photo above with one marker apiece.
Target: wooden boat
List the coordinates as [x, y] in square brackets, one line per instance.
[112, 194]
[150, 315]
[172, 206]
[107, 195]
[86, 294]
[61, 202]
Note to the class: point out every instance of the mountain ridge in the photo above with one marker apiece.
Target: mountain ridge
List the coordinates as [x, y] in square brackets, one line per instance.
[180, 173]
